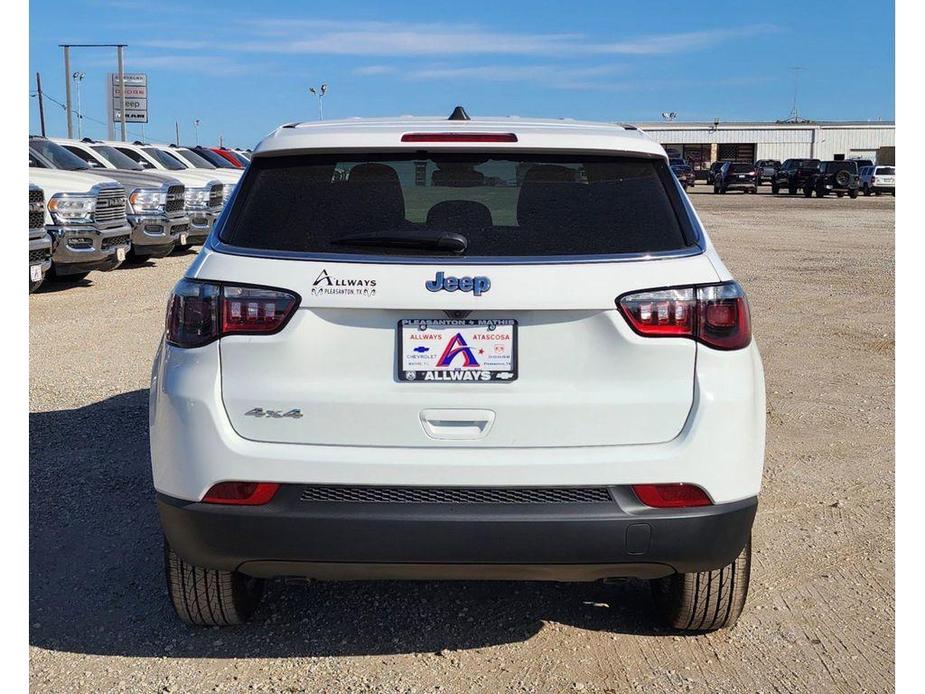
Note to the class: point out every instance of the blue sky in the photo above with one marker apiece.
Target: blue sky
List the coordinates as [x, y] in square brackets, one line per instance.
[243, 68]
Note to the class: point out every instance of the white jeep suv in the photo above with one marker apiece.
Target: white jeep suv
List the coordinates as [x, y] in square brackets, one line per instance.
[465, 349]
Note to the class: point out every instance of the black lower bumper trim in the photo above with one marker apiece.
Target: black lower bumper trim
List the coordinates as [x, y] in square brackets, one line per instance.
[569, 541]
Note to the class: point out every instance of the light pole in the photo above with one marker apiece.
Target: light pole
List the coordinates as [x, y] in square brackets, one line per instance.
[320, 94]
[196, 125]
[78, 78]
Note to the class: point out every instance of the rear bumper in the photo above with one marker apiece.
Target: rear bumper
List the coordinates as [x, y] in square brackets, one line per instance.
[343, 540]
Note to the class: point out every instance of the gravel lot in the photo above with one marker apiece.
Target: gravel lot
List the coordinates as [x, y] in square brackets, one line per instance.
[820, 614]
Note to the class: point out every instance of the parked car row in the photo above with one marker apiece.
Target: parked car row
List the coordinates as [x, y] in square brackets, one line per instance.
[94, 204]
[806, 176]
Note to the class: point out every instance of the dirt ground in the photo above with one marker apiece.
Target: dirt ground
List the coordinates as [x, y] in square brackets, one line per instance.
[819, 617]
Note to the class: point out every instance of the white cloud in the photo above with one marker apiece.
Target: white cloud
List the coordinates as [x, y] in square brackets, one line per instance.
[414, 39]
[374, 70]
[583, 78]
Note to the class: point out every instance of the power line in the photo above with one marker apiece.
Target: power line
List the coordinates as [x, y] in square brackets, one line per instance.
[136, 134]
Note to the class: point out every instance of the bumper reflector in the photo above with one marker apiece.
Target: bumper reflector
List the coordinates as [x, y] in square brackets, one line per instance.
[671, 495]
[241, 493]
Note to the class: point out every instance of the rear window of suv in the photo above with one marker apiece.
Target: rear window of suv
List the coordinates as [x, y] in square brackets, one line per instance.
[503, 205]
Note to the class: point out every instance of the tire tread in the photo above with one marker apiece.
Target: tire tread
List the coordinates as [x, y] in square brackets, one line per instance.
[209, 597]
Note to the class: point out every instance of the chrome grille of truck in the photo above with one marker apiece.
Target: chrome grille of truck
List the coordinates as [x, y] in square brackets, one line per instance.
[458, 495]
[36, 195]
[39, 255]
[175, 201]
[216, 196]
[110, 207]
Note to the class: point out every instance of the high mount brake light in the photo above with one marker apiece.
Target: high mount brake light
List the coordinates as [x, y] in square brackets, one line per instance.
[200, 312]
[716, 315]
[459, 137]
[677, 495]
[241, 493]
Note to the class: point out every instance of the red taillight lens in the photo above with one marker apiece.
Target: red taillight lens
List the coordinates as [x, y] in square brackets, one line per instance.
[459, 137]
[254, 310]
[200, 312]
[241, 493]
[671, 495]
[716, 315]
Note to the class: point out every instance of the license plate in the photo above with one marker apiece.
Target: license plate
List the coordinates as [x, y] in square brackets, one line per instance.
[467, 351]
[35, 273]
[183, 238]
[120, 254]
[741, 176]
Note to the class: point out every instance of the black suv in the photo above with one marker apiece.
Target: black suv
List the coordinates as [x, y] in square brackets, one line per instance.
[792, 174]
[733, 176]
[837, 177]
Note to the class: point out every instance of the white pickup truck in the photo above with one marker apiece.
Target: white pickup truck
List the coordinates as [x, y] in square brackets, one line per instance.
[39, 240]
[85, 216]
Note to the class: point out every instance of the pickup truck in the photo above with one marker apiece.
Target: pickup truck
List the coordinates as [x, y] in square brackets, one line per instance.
[85, 216]
[793, 174]
[155, 202]
[39, 240]
[192, 160]
[205, 195]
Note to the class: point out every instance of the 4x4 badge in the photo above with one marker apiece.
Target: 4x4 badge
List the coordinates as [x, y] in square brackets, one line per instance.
[276, 414]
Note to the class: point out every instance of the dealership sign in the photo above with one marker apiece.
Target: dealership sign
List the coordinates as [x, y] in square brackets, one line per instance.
[136, 97]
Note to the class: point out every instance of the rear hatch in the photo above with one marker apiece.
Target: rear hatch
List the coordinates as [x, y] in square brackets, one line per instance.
[462, 299]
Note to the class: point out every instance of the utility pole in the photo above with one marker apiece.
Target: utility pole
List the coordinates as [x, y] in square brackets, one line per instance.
[196, 124]
[176, 124]
[120, 55]
[38, 89]
[78, 78]
[67, 91]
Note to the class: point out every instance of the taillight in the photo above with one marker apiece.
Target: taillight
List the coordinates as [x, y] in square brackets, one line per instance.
[241, 493]
[677, 495]
[716, 315]
[200, 312]
[459, 137]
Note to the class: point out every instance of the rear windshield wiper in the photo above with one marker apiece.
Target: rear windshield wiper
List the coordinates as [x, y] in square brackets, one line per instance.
[426, 240]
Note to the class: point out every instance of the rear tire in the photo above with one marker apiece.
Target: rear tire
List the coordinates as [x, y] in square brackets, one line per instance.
[705, 600]
[840, 194]
[715, 190]
[866, 190]
[807, 192]
[852, 194]
[792, 190]
[209, 597]
[775, 189]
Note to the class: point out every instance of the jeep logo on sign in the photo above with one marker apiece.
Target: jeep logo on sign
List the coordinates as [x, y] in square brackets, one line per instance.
[476, 285]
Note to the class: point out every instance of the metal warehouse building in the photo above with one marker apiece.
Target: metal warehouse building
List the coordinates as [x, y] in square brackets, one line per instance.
[704, 143]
